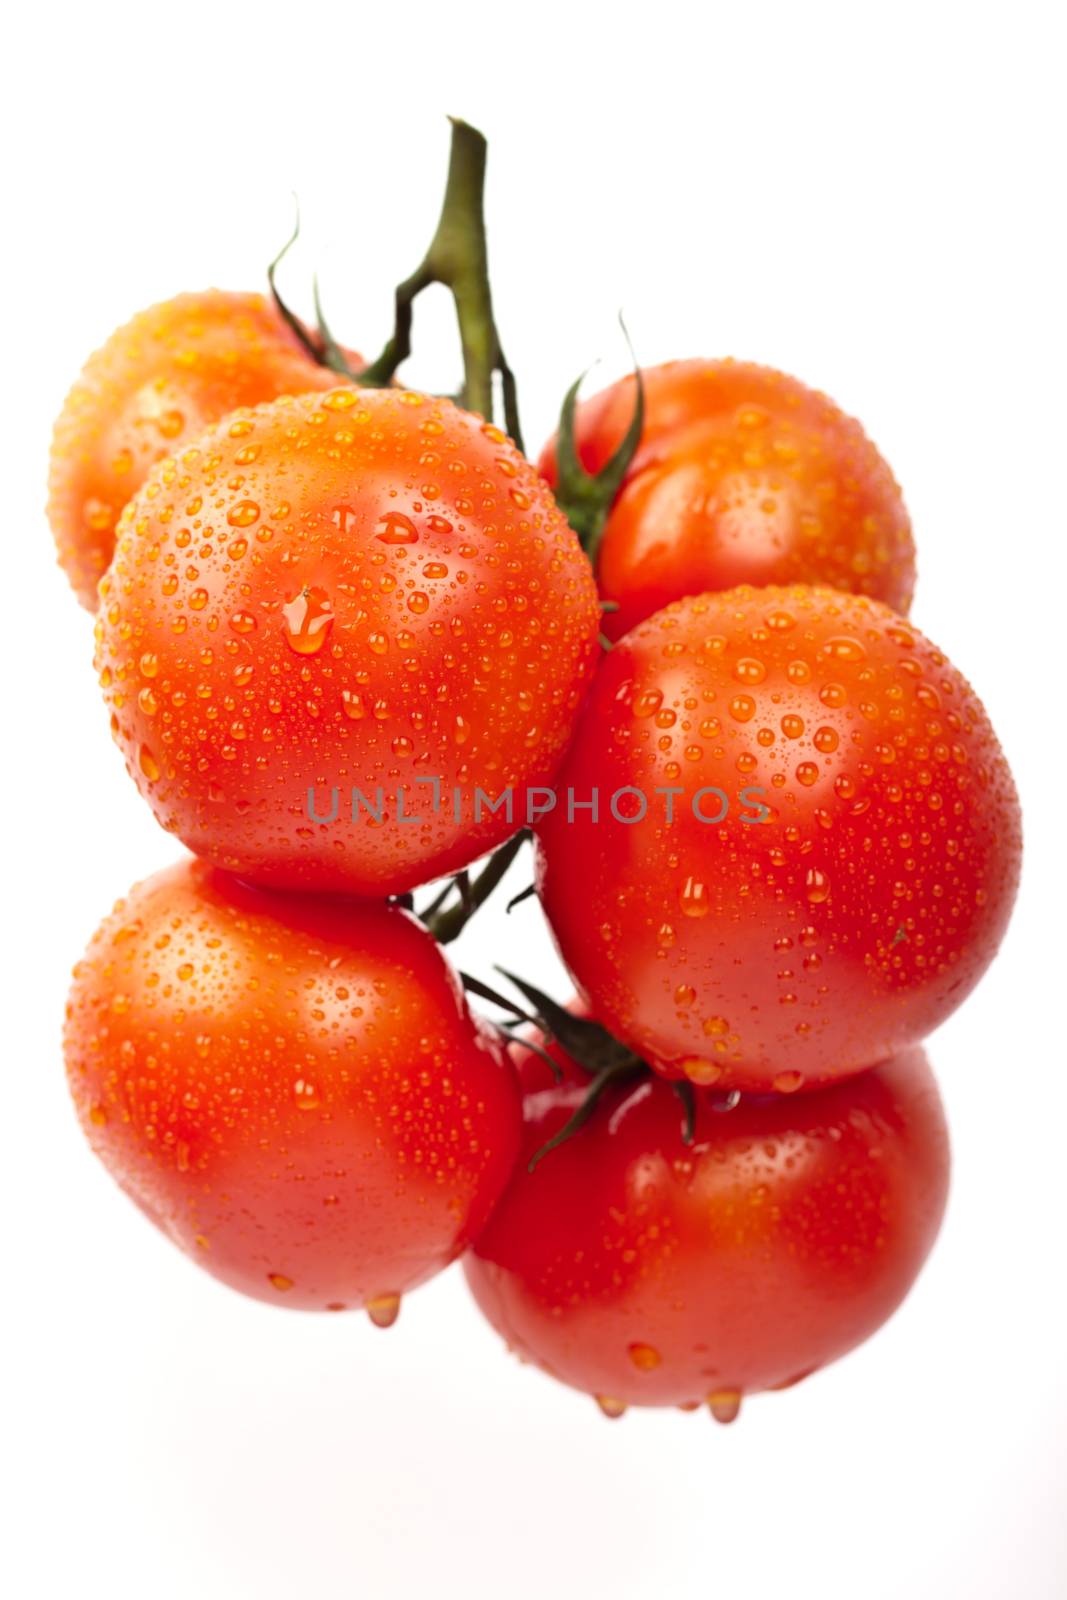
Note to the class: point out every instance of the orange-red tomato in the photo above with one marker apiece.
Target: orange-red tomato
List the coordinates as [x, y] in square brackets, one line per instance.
[293, 1089]
[651, 1272]
[743, 475]
[820, 851]
[337, 630]
[159, 380]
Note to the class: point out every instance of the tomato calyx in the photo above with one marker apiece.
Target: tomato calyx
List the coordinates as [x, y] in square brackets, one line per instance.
[324, 351]
[604, 1059]
[448, 922]
[585, 498]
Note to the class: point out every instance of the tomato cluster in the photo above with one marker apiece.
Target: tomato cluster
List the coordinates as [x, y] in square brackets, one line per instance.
[350, 641]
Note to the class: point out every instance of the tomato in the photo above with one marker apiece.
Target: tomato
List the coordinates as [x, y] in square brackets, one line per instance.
[647, 1271]
[157, 382]
[330, 624]
[844, 850]
[293, 1089]
[743, 475]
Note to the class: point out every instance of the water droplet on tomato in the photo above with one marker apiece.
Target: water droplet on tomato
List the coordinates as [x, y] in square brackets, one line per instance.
[788, 1082]
[383, 1309]
[395, 528]
[817, 886]
[308, 620]
[242, 514]
[724, 1404]
[609, 1406]
[693, 898]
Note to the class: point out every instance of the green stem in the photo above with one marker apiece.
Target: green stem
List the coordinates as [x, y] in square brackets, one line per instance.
[458, 258]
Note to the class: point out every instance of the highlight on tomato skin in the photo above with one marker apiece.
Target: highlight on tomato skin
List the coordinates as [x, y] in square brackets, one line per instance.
[158, 381]
[743, 475]
[848, 920]
[345, 597]
[293, 1089]
[646, 1271]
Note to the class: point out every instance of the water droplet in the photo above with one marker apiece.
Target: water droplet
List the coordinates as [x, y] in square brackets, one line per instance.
[308, 620]
[749, 670]
[395, 528]
[610, 1407]
[306, 1095]
[353, 704]
[645, 1357]
[279, 1281]
[148, 763]
[702, 1073]
[383, 1309]
[724, 1404]
[242, 514]
[826, 740]
[242, 622]
[787, 1082]
[845, 649]
[693, 898]
[817, 885]
[170, 424]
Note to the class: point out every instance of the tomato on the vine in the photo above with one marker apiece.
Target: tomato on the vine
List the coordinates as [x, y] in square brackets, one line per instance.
[818, 851]
[649, 1271]
[338, 632]
[293, 1089]
[742, 475]
[159, 380]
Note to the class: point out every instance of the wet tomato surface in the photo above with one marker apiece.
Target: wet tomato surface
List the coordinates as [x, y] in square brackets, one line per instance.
[158, 381]
[649, 1271]
[829, 847]
[327, 603]
[743, 475]
[292, 1089]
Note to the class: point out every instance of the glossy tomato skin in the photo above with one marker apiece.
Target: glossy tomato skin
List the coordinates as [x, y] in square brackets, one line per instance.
[646, 1271]
[367, 591]
[743, 475]
[156, 383]
[859, 860]
[293, 1089]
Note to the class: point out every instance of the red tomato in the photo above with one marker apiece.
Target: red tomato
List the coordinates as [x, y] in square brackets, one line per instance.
[743, 475]
[157, 382]
[293, 1089]
[646, 1271]
[357, 591]
[848, 922]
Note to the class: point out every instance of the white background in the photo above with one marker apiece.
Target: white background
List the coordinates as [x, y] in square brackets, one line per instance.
[868, 195]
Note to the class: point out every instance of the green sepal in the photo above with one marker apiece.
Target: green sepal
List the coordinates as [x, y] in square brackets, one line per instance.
[590, 1044]
[332, 355]
[291, 320]
[585, 498]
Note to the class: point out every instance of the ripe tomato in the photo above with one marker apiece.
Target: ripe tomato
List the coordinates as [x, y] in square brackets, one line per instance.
[743, 475]
[647, 1271]
[329, 624]
[157, 382]
[844, 850]
[293, 1089]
